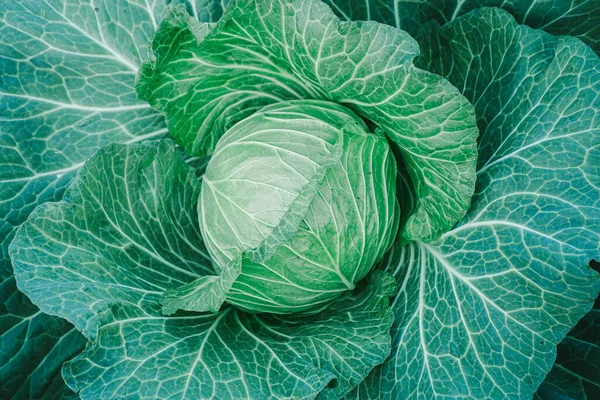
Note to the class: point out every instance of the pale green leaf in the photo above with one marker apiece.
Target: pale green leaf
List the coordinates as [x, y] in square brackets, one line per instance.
[298, 203]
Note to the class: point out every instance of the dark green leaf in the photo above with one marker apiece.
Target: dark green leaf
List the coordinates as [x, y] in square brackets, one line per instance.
[67, 70]
[480, 311]
[576, 372]
[579, 18]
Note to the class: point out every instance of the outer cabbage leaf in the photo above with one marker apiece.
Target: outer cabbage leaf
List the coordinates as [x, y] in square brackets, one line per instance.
[578, 18]
[34, 346]
[233, 355]
[67, 72]
[481, 310]
[125, 232]
[263, 52]
[126, 226]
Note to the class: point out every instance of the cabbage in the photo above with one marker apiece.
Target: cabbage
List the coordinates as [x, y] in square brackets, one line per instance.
[341, 209]
[305, 196]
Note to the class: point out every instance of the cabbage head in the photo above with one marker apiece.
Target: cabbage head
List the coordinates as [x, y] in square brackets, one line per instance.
[298, 203]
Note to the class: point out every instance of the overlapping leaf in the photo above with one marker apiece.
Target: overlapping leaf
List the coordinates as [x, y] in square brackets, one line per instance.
[263, 52]
[66, 89]
[125, 232]
[34, 346]
[233, 355]
[576, 18]
[480, 311]
[298, 203]
[67, 70]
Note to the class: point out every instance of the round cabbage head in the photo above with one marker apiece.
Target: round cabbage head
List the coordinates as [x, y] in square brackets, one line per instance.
[300, 198]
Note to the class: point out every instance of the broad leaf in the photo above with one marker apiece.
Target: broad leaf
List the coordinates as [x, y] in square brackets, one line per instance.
[481, 310]
[576, 18]
[67, 71]
[127, 231]
[233, 355]
[300, 50]
[127, 226]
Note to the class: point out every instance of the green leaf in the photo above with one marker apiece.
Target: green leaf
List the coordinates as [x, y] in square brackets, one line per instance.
[576, 372]
[575, 18]
[283, 208]
[127, 227]
[233, 355]
[300, 50]
[298, 141]
[34, 346]
[125, 232]
[66, 89]
[480, 311]
[208, 293]
[67, 72]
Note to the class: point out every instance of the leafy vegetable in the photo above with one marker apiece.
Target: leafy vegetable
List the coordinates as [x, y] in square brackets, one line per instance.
[66, 89]
[253, 58]
[282, 93]
[67, 72]
[283, 210]
[576, 373]
[126, 231]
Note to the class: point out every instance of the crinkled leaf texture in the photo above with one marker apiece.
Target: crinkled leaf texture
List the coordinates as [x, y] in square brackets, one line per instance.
[575, 18]
[125, 232]
[67, 72]
[480, 311]
[298, 204]
[263, 52]
[230, 206]
[575, 376]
